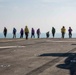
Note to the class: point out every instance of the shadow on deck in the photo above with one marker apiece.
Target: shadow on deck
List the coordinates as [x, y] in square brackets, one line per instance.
[70, 61]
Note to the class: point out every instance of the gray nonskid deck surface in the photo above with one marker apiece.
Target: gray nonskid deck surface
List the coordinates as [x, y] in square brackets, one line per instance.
[37, 56]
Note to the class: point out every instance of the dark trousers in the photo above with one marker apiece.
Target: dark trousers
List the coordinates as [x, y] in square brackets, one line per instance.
[38, 35]
[70, 35]
[21, 35]
[26, 34]
[14, 35]
[63, 34]
[32, 35]
[53, 34]
[5, 35]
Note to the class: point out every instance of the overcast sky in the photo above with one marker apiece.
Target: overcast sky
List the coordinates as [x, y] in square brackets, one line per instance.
[43, 14]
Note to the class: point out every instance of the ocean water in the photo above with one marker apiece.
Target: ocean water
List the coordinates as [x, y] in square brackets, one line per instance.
[43, 35]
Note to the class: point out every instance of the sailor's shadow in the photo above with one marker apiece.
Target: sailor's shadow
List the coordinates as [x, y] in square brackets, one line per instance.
[69, 63]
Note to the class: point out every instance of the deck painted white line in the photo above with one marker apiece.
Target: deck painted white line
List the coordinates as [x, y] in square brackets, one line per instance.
[59, 41]
[11, 40]
[11, 47]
